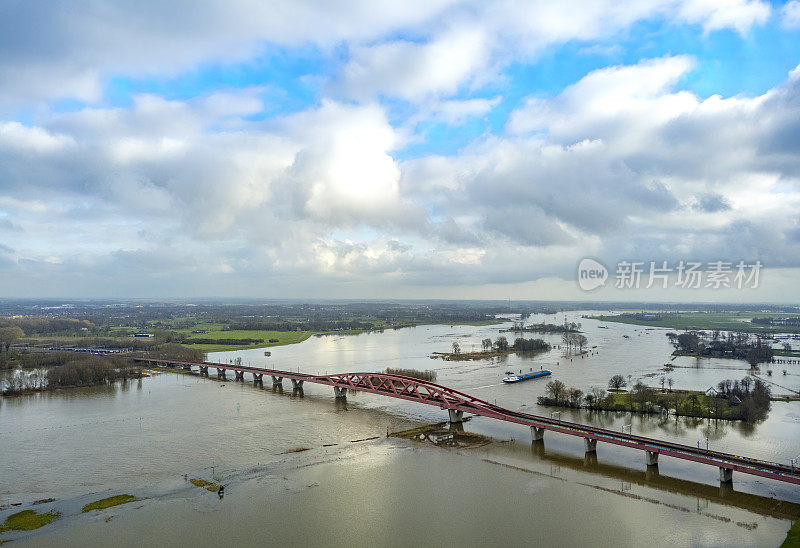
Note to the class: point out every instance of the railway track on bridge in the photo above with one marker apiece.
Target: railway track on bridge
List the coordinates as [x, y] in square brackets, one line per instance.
[457, 403]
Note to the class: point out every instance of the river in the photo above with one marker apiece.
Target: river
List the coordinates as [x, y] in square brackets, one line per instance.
[353, 485]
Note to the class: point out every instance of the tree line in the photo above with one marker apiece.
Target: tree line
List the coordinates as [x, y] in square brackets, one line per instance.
[746, 399]
[82, 371]
[735, 346]
[501, 344]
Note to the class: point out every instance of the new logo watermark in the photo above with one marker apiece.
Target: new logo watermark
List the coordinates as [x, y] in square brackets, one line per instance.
[684, 274]
[591, 274]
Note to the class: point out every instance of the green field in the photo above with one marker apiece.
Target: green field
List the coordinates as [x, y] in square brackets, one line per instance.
[702, 406]
[706, 321]
[215, 331]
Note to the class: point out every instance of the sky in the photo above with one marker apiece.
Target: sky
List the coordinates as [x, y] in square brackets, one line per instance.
[381, 149]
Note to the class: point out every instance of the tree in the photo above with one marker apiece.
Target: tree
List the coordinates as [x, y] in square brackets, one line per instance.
[10, 335]
[670, 382]
[689, 342]
[581, 341]
[501, 343]
[574, 396]
[487, 344]
[643, 394]
[556, 390]
[746, 382]
[456, 348]
[663, 380]
[617, 382]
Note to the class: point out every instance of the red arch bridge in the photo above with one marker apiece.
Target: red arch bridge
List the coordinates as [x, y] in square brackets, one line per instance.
[457, 403]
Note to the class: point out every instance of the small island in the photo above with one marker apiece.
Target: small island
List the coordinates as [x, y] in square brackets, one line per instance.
[747, 399]
[500, 347]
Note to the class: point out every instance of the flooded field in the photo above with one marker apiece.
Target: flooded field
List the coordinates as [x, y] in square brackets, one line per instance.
[307, 468]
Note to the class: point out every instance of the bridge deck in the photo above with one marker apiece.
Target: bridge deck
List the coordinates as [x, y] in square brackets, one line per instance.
[412, 389]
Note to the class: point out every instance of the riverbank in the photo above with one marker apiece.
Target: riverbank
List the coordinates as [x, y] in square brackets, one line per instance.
[701, 321]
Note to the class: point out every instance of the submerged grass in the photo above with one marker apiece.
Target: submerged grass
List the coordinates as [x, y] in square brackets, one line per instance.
[28, 520]
[298, 449]
[793, 536]
[102, 504]
[208, 485]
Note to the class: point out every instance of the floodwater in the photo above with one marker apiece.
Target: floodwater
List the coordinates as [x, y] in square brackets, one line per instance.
[353, 485]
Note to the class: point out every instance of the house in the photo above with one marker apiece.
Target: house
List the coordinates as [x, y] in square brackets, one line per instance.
[712, 392]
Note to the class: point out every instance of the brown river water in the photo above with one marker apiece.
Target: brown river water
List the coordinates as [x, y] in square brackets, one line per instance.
[355, 486]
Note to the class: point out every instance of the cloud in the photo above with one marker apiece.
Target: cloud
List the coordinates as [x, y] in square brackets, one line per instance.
[325, 198]
[411, 71]
[790, 14]
[71, 49]
[713, 203]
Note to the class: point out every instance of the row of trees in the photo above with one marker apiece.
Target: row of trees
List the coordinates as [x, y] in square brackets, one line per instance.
[574, 340]
[571, 327]
[559, 394]
[501, 344]
[309, 325]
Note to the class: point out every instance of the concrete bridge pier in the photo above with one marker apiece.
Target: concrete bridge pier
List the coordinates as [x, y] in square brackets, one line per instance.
[258, 378]
[277, 380]
[204, 371]
[340, 393]
[297, 383]
[651, 458]
[239, 375]
[725, 475]
[537, 433]
[221, 372]
[590, 445]
[456, 416]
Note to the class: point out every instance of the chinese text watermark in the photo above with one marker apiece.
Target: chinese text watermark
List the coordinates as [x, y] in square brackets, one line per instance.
[662, 274]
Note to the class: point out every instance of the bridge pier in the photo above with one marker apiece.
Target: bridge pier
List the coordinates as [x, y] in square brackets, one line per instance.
[221, 372]
[456, 416]
[204, 371]
[257, 378]
[725, 475]
[297, 383]
[537, 433]
[651, 458]
[590, 445]
[340, 393]
[239, 375]
[277, 380]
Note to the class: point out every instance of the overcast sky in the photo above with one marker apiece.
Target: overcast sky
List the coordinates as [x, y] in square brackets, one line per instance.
[385, 149]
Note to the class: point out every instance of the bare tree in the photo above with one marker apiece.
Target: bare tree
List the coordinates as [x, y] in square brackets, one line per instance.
[617, 382]
[556, 390]
[10, 335]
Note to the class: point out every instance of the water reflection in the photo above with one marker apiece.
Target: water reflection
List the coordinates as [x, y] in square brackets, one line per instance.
[651, 477]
